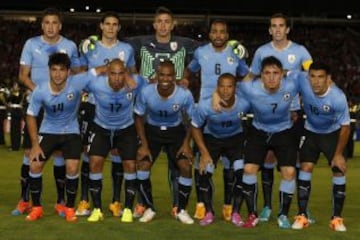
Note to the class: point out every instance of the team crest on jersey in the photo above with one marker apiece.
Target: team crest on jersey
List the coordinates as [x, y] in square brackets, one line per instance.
[241, 115]
[176, 107]
[70, 96]
[121, 55]
[230, 60]
[129, 95]
[173, 46]
[291, 58]
[286, 96]
[326, 108]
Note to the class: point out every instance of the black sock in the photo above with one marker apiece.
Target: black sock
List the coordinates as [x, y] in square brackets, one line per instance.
[59, 175]
[85, 181]
[24, 182]
[117, 173]
[267, 180]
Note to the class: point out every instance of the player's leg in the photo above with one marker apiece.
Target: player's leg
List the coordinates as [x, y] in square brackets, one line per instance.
[267, 183]
[117, 176]
[126, 143]
[99, 146]
[228, 179]
[47, 145]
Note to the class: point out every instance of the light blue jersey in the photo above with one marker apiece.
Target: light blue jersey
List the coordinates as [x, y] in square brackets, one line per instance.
[36, 54]
[225, 123]
[114, 109]
[271, 110]
[60, 109]
[102, 55]
[326, 113]
[292, 58]
[213, 64]
[164, 112]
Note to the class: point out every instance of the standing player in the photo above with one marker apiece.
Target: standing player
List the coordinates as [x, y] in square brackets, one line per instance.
[212, 60]
[151, 50]
[113, 127]
[293, 56]
[327, 128]
[105, 50]
[222, 135]
[161, 109]
[59, 98]
[33, 71]
[270, 98]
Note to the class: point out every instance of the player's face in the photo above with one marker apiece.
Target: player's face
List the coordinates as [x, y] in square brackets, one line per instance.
[271, 77]
[166, 77]
[319, 81]
[226, 89]
[58, 76]
[116, 74]
[218, 35]
[51, 26]
[110, 28]
[163, 25]
[278, 29]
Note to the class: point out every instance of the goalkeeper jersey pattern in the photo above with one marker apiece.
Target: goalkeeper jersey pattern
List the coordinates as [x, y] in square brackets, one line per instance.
[150, 53]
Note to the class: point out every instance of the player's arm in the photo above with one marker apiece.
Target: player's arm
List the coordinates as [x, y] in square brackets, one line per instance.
[185, 81]
[339, 161]
[24, 77]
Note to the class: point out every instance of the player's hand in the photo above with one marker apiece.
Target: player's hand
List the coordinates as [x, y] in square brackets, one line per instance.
[184, 83]
[88, 44]
[238, 49]
[130, 81]
[143, 153]
[36, 154]
[206, 164]
[185, 152]
[339, 162]
[217, 102]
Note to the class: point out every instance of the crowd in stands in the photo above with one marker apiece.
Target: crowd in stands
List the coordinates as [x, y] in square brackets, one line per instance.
[338, 45]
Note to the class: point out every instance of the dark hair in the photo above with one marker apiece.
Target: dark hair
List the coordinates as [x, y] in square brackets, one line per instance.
[280, 15]
[220, 21]
[110, 14]
[166, 63]
[228, 76]
[319, 65]
[163, 10]
[52, 12]
[59, 58]
[270, 61]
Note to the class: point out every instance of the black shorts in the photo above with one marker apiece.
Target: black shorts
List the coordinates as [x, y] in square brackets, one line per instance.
[124, 140]
[68, 144]
[170, 139]
[230, 147]
[316, 143]
[284, 145]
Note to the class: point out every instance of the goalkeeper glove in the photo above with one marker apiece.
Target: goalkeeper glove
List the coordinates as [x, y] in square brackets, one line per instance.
[88, 44]
[238, 49]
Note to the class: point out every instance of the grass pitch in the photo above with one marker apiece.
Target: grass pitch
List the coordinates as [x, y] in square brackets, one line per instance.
[164, 226]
